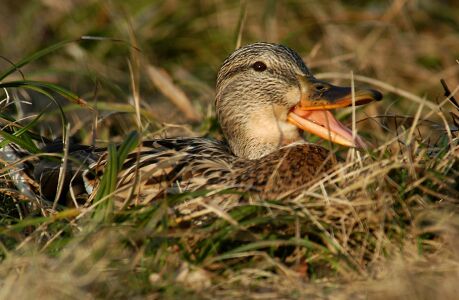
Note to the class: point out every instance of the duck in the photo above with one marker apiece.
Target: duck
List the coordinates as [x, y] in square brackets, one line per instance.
[266, 98]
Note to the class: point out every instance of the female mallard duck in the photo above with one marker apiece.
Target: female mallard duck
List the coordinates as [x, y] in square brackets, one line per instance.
[265, 98]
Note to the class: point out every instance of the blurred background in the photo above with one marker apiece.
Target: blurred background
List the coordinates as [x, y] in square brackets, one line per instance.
[131, 47]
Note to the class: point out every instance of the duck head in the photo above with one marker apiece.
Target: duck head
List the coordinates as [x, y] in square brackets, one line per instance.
[266, 97]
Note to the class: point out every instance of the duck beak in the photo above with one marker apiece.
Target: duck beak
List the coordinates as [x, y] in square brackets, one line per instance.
[312, 113]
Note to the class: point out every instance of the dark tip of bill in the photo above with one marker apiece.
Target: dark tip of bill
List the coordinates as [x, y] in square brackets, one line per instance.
[377, 95]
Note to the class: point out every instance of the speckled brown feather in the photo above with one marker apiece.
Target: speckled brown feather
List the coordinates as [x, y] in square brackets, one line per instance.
[283, 171]
[189, 164]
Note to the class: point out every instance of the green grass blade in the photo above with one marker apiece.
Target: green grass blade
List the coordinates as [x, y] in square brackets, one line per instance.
[34, 56]
[24, 130]
[20, 141]
[44, 92]
[116, 157]
[127, 146]
[46, 85]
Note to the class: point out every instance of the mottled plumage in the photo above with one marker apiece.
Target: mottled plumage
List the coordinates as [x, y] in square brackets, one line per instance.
[185, 164]
[265, 97]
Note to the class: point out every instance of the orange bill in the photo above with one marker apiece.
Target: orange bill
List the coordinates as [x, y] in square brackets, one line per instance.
[312, 113]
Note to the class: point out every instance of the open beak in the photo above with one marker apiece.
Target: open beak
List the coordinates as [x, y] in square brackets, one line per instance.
[312, 113]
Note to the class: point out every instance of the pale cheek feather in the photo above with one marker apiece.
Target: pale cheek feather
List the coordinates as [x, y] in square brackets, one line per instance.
[269, 125]
[293, 96]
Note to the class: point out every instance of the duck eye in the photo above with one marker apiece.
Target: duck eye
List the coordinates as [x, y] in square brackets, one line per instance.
[259, 66]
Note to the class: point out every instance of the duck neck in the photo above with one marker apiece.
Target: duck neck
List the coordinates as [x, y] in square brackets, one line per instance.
[256, 133]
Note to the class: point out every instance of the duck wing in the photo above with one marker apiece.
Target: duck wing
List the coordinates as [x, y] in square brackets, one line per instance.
[164, 166]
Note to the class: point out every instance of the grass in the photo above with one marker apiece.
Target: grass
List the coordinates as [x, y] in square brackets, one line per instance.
[384, 225]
